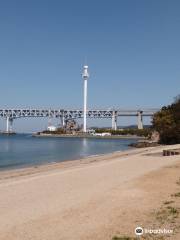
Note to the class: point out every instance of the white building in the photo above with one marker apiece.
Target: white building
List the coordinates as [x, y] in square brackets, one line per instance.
[103, 134]
[51, 128]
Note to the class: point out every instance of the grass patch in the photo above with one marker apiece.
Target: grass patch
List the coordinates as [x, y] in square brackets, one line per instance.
[172, 210]
[167, 215]
[168, 202]
[161, 216]
[176, 194]
[143, 237]
[123, 238]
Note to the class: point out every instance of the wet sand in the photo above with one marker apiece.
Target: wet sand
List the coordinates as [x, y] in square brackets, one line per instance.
[94, 198]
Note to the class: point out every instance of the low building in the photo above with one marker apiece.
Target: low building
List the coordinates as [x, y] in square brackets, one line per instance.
[104, 134]
[52, 128]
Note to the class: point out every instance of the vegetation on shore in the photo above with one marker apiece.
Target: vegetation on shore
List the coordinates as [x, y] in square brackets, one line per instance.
[167, 123]
[129, 131]
[58, 131]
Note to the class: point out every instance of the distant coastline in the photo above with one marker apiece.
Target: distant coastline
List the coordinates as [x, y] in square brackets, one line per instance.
[88, 136]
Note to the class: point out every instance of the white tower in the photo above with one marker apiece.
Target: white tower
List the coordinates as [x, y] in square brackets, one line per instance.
[85, 76]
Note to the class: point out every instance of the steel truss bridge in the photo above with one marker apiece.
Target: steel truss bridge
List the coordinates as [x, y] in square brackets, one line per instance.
[64, 115]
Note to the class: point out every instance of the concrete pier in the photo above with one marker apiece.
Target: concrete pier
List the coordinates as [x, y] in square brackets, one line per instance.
[9, 123]
[62, 121]
[9, 128]
[114, 121]
[140, 120]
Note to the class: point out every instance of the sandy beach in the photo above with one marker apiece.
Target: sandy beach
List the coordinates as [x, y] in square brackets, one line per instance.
[94, 198]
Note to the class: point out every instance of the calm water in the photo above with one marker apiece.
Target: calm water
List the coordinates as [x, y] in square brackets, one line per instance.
[23, 150]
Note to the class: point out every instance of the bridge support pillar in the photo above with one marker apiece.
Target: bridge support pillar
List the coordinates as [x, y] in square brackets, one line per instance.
[9, 123]
[140, 120]
[62, 121]
[114, 121]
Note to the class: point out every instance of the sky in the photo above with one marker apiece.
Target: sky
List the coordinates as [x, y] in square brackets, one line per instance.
[131, 47]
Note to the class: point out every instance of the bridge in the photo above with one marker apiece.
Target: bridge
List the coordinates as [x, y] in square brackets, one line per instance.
[64, 115]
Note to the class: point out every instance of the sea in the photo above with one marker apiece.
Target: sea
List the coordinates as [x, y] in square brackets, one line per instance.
[22, 150]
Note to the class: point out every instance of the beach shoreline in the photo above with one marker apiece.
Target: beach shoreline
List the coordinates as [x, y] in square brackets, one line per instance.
[68, 163]
[93, 198]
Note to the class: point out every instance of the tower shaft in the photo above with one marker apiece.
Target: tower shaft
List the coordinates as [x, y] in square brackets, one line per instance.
[85, 76]
[85, 106]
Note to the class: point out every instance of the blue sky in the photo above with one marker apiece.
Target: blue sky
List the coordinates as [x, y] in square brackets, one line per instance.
[131, 46]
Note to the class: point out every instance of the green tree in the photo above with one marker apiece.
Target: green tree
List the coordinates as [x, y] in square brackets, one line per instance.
[167, 123]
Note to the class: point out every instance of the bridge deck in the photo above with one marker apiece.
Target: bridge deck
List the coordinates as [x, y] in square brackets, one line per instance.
[58, 113]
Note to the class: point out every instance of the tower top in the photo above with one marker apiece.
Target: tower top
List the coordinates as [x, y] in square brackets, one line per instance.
[85, 73]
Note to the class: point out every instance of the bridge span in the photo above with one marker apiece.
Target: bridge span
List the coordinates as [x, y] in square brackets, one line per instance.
[65, 114]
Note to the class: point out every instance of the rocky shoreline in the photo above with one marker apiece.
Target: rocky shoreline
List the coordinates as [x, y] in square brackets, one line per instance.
[143, 144]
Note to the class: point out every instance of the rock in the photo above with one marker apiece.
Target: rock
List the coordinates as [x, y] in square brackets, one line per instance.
[155, 136]
[144, 144]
